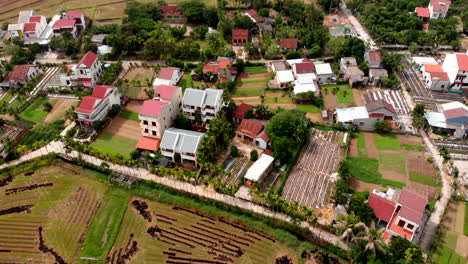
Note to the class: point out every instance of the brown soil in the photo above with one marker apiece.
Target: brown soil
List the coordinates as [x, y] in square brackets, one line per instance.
[353, 150]
[430, 191]
[358, 95]
[251, 85]
[454, 217]
[245, 75]
[462, 246]
[370, 146]
[59, 109]
[142, 94]
[134, 106]
[330, 101]
[410, 140]
[417, 163]
[391, 175]
[284, 106]
[7, 117]
[315, 117]
[124, 128]
[361, 186]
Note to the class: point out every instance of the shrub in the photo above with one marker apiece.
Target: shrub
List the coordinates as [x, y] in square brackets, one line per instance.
[253, 155]
[234, 152]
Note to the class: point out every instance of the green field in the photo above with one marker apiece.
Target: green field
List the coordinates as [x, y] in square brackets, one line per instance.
[343, 93]
[361, 144]
[422, 179]
[392, 162]
[412, 147]
[367, 170]
[255, 69]
[465, 227]
[129, 115]
[387, 141]
[447, 256]
[308, 108]
[247, 92]
[83, 216]
[279, 100]
[114, 145]
[7, 97]
[35, 112]
[396, 184]
[253, 80]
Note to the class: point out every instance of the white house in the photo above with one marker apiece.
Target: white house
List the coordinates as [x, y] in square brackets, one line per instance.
[261, 168]
[365, 117]
[170, 94]
[168, 76]
[181, 143]
[324, 73]
[30, 27]
[96, 106]
[86, 72]
[435, 78]
[201, 106]
[282, 79]
[456, 67]
[438, 9]
[306, 82]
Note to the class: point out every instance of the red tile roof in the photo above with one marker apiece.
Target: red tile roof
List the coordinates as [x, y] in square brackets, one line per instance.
[413, 205]
[223, 64]
[211, 67]
[240, 34]
[166, 73]
[395, 228]
[87, 105]
[152, 108]
[74, 14]
[304, 67]
[383, 208]
[422, 12]
[165, 92]
[251, 12]
[170, 9]
[30, 27]
[376, 115]
[239, 113]
[148, 143]
[462, 60]
[443, 76]
[263, 135]
[372, 106]
[18, 73]
[456, 113]
[290, 43]
[88, 59]
[61, 23]
[442, 5]
[100, 91]
[433, 68]
[35, 19]
[250, 128]
[375, 56]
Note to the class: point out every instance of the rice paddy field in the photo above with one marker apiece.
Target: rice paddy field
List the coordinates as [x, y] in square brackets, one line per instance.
[55, 212]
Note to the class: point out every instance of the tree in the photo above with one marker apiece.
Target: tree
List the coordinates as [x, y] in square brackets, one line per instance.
[137, 10]
[253, 155]
[47, 106]
[418, 116]
[414, 256]
[264, 12]
[383, 126]
[234, 151]
[391, 61]
[194, 11]
[244, 22]
[134, 155]
[90, 47]
[373, 238]
[182, 122]
[413, 48]
[361, 208]
[398, 247]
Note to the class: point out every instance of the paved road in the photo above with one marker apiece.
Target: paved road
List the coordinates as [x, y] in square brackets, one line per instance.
[441, 204]
[58, 147]
[359, 27]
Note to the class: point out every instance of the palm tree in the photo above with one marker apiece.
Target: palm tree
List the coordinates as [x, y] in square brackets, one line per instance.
[347, 225]
[373, 238]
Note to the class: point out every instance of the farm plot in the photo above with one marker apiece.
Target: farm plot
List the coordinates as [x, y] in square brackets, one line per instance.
[136, 81]
[234, 169]
[310, 181]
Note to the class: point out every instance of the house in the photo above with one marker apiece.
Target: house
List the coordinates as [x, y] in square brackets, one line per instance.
[452, 119]
[96, 106]
[435, 78]
[20, 75]
[260, 169]
[347, 62]
[305, 66]
[306, 82]
[456, 67]
[181, 145]
[365, 117]
[324, 73]
[282, 80]
[422, 12]
[278, 66]
[240, 37]
[170, 94]
[288, 44]
[373, 59]
[155, 117]
[65, 25]
[375, 75]
[401, 212]
[173, 14]
[168, 76]
[220, 69]
[239, 113]
[30, 27]
[252, 14]
[253, 131]
[438, 9]
[79, 18]
[348, 66]
[86, 72]
[200, 106]
[99, 38]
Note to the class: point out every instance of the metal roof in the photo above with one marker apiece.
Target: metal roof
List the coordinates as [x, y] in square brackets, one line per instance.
[181, 141]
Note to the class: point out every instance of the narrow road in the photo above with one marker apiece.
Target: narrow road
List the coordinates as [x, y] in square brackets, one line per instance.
[58, 147]
[361, 30]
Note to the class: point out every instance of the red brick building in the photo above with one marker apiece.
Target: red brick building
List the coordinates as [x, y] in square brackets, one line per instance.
[240, 36]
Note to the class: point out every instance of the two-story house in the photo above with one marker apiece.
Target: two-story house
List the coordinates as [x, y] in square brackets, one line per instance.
[181, 145]
[348, 66]
[173, 14]
[456, 67]
[30, 27]
[96, 106]
[324, 73]
[65, 25]
[220, 69]
[435, 78]
[19, 76]
[373, 59]
[79, 18]
[168, 76]
[438, 9]
[200, 106]
[399, 211]
[170, 94]
[86, 72]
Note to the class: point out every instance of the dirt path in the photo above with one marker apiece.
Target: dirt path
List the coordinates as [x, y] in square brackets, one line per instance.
[361, 186]
[353, 150]
[358, 95]
[251, 85]
[370, 146]
[134, 106]
[330, 101]
[410, 140]
[315, 117]
[60, 107]
[124, 128]
[395, 176]
[462, 246]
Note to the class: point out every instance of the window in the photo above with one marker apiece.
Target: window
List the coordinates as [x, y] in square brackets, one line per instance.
[361, 123]
[401, 223]
[169, 17]
[81, 72]
[146, 130]
[145, 122]
[153, 123]
[153, 132]
[410, 226]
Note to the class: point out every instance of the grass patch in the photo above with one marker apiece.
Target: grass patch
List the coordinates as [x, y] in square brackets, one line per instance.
[186, 81]
[255, 69]
[253, 80]
[114, 145]
[451, 240]
[344, 93]
[465, 227]
[7, 97]
[105, 225]
[396, 184]
[132, 91]
[412, 147]
[279, 100]
[387, 141]
[248, 92]
[365, 169]
[35, 112]
[392, 162]
[361, 143]
[447, 256]
[422, 179]
[308, 108]
[129, 115]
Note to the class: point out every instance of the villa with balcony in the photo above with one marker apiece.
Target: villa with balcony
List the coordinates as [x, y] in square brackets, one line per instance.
[86, 72]
[181, 145]
[200, 106]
